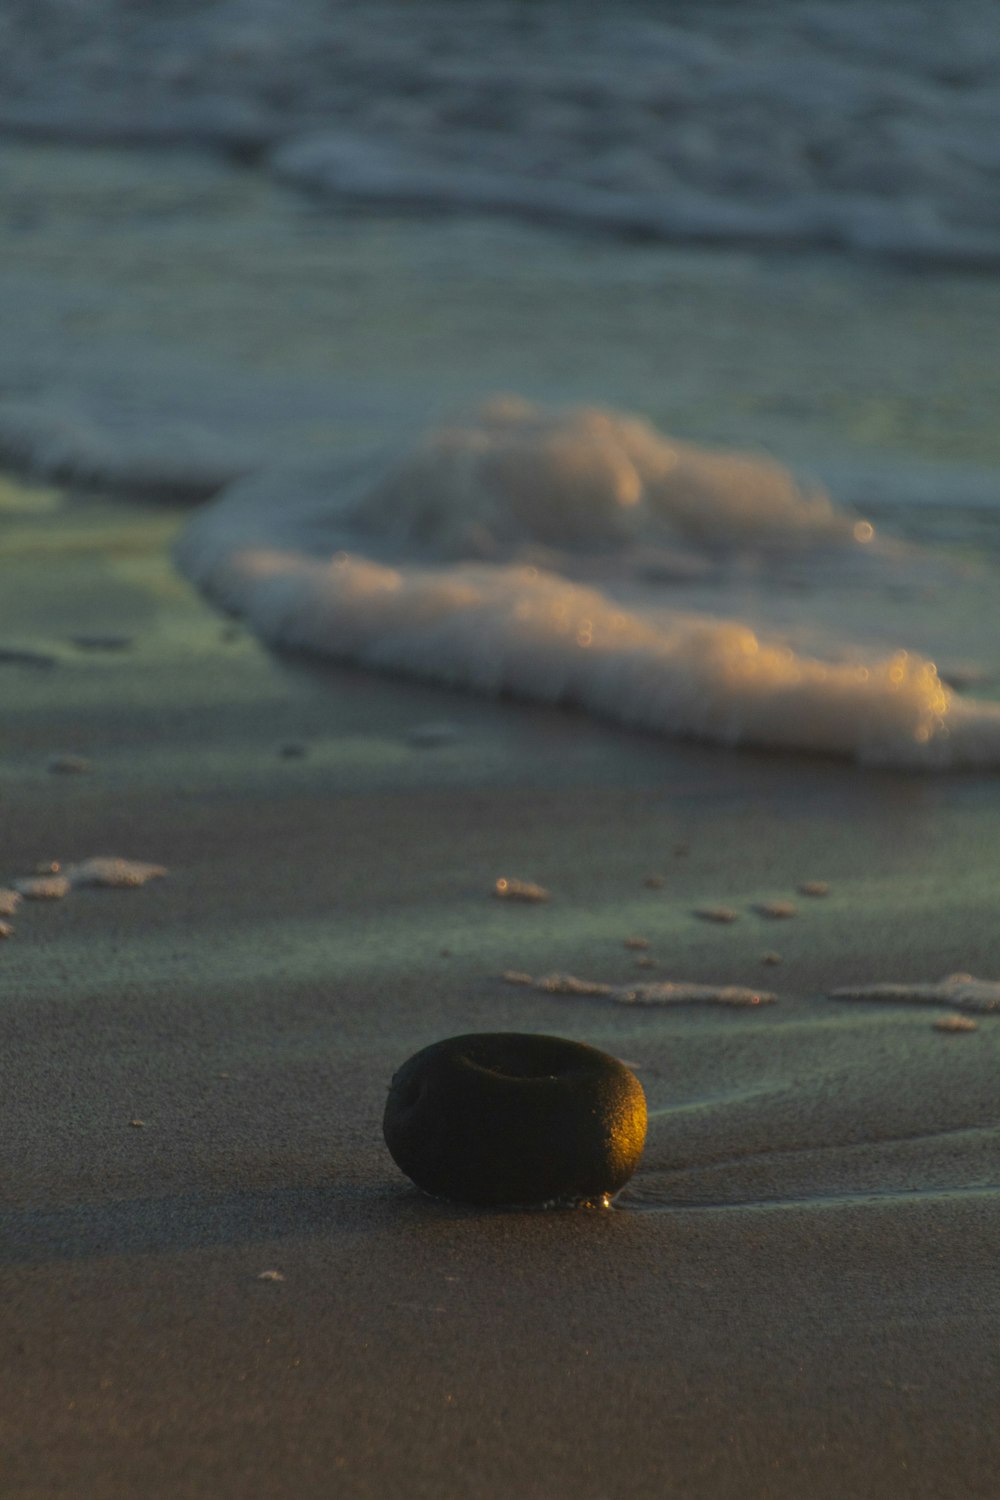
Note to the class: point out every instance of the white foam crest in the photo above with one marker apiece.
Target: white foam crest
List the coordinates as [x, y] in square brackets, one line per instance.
[304, 568]
[515, 472]
[537, 636]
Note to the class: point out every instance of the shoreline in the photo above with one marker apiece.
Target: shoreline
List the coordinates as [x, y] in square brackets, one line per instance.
[216, 1284]
[801, 1296]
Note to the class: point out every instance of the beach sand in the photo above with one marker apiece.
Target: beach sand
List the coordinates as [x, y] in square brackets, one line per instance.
[798, 1294]
[215, 1283]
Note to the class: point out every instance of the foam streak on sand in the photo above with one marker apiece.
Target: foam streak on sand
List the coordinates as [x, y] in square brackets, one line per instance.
[665, 992]
[531, 552]
[111, 870]
[43, 887]
[959, 991]
[101, 869]
[519, 890]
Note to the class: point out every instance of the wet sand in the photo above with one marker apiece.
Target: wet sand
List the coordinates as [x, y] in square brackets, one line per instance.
[797, 1295]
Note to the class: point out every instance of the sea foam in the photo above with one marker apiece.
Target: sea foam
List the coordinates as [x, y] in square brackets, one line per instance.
[871, 127]
[665, 992]
[582, 558]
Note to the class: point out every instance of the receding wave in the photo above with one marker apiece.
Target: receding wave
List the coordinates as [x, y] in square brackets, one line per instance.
[582, 558]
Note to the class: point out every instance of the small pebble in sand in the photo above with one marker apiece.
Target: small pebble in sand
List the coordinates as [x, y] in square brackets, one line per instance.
[67, 765]
[955, 1023]
[775, 910]
[9, 901]
[6, 930]
[445, 952]
[814, 888]
[270, 1276]
[716, 913]
[636, 942]
[771, 958]
[654, 882]
[43, 887]
[519, 890]
[426, 736]
[138, 1124]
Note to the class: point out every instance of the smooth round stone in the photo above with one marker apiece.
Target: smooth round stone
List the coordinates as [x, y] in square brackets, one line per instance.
[513, 1118]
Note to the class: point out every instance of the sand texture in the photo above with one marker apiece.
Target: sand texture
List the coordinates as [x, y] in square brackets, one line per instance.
[797, 1294]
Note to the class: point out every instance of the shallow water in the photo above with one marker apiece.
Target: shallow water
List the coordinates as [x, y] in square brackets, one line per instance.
[862, 125]
[180, 326]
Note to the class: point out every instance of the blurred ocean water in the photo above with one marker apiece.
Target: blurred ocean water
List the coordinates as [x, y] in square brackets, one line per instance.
[870, 124]
[745, 486]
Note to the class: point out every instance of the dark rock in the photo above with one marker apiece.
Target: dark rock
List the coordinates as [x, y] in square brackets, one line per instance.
[515, 1118]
